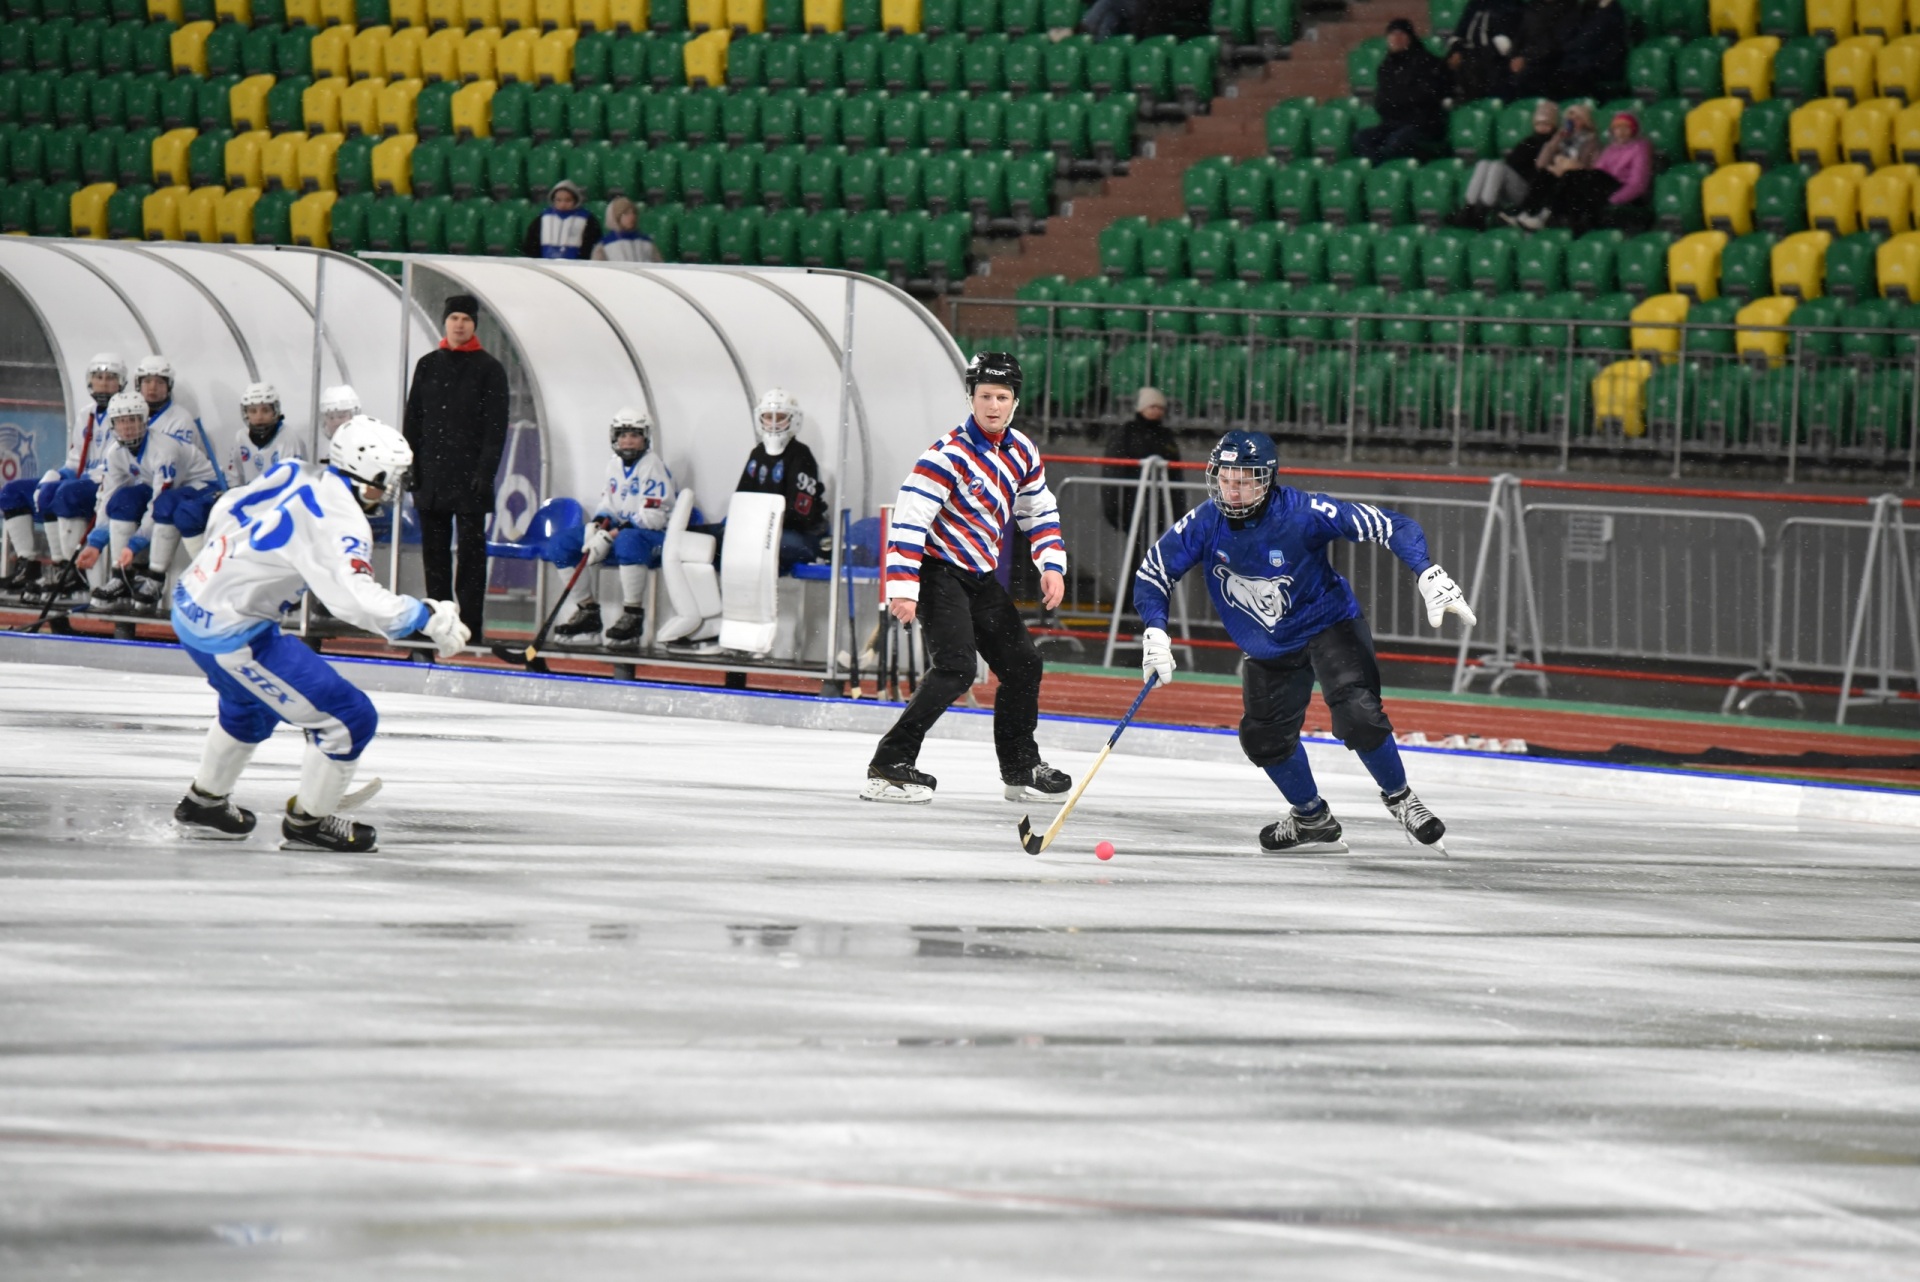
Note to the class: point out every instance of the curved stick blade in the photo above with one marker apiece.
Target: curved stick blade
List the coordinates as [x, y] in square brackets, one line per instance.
[1032, 841]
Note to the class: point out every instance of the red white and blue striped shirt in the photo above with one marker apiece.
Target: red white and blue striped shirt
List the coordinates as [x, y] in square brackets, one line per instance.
[955, 504]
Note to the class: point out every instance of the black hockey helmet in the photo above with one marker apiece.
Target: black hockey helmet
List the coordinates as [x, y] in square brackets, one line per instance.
[994, 367]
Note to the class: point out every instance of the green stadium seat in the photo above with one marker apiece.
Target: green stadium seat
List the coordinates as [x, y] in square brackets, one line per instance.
[1539, 265]
[792, 116]
[739, 116]
[1664, 124]
[1676, 198]
[1303, 256]
[506, 227]
[860, 239]
[620, 170]
[1342, 192]
[661, 222]
[982, 65]
[820, 178]
[1204, 188]
[1502, 321]
[586, 114]
[1443, 262]
[1249, 190]
[179, 103]
[1389, 193]
[100, 154]
[738, 236]
[1256, 252]
[1780, 200]
[465, 226]
[1396, 258]
[943, 181]
[1852, 267]
[1640, 263]
[1066, 126]
[1193, 66]
[942, 64]
[1024, 65]
[1697, 69]
[1210, 252]
[1800, 69]
[900, 181]
[1650, 68]
[507, 169]
[466, 167]
[1746, 267]
[1763, 133]
[1350, 258]
[1029, 189]
[1701, 335]
[862, 119]
[1065, 64]
[1276, 23]
[1119, 246]
[739, 175]
[547, 165]
[547, 111]
[1296, 191]
[780, 63]
[1783, 18]
[206, 158]
[699, 116]
[860, 64]
[1106, 65]
[1470, 131]
[1110, 128]
[663, 116]
[900, 120]
[1363, 66]
[427, 166]
[1330, 130]
[1027, 124]
[860, 182]
[977, 17]
[700, 176]
[1490, 260]
[948, 244]
[900, 63]
[780, 237]
[1289, 129]
[427, 224]
[942, 121]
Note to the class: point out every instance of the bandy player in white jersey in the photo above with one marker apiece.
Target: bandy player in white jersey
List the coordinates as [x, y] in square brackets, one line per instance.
[300, 526]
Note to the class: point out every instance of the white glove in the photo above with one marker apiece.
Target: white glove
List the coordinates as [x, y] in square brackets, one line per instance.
[1156, 655]
[445, 630]
[1443, 597]
[598, 543]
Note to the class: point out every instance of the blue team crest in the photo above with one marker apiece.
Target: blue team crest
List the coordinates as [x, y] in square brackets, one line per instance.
[1276, 558]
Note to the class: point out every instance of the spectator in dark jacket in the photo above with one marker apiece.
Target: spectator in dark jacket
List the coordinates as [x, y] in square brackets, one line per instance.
[1145, 435]
[1502, 184]
[457, 424]
[1480, 48]
[1544, 28]
[566, 228]
[1411, 97]
[1593, 59]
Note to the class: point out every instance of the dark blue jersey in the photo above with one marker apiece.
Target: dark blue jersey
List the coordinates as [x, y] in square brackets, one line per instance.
[1270, 579]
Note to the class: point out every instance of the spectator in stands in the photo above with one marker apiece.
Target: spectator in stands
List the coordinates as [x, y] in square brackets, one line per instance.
[1544, 28]
[1613, 191]
[1502, 184]
[623, 241]
[1411, 97]
[565, 228]
[1572, 149]
[457, 425]
[1143, 436]
[1105, 18]
[1593, 59]
[1482, 43]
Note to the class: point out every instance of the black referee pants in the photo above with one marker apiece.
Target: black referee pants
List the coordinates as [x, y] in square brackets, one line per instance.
[1275, 693]
[960, 613]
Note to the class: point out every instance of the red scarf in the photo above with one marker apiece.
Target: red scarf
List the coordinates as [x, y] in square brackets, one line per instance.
[471, 345]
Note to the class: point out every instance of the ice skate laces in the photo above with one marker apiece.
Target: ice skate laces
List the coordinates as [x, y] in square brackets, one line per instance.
[336, 826]
[1411, 812]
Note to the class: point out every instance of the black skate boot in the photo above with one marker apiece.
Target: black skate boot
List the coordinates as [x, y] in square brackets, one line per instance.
[146, 591]
[1315, 834]
[57, 582]
[211, 818]
[335, 832]
[626, 629]
[115, 596]
[1039, 782]
[1422, 825]
[24, 582]
[580, 631]
[899, 784]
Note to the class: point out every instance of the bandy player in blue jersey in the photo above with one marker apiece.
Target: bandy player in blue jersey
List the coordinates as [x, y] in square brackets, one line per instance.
[1263, 549]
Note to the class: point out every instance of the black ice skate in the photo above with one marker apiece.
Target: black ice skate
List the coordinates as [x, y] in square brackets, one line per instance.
[146, 591]
[335, 832]
[898, 784]
[1317, 834]
[211, 818]
[115, 596]
[582, 630]
[626, 629]
[1422, 825]
[60, 581]
[1039, 782]
[24, 581]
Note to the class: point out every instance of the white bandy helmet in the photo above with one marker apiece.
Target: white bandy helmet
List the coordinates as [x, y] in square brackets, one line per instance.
[260, 394]
[108, 363]
[127, 405]
[777, 419]
[155, 366]
[340, 399]
[370, 452]
[629, 419]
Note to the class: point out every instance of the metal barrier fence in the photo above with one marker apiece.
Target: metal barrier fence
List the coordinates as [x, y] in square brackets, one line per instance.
[1542, 384]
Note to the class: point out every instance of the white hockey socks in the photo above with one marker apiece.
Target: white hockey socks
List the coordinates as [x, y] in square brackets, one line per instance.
[221, 761]
[166, 541]
[71, 531]
[686, 567]
[20, 535]
[323, 781]
[119, 534]
[633, 586]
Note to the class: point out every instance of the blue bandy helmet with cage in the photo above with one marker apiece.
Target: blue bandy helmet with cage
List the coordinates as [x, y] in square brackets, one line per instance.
[1250, 456]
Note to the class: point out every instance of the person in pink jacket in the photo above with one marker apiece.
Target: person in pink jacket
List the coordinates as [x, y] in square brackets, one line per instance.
[1612, 192]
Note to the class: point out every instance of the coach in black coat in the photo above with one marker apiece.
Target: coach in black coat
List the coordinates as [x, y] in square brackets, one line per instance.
[457, 425]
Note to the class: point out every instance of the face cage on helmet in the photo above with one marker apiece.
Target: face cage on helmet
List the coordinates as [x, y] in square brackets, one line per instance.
[1262, 476]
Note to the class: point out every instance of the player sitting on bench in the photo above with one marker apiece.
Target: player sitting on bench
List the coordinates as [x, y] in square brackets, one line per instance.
[627, 530]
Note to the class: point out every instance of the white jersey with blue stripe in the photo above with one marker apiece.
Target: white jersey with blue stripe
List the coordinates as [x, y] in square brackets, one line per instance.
[639, 495]
[247, 462]
[87, 447]
[162, 461]
[298, 527]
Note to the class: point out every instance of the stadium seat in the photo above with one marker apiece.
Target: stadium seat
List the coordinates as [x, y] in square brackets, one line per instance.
[1363, 65]
[1296, 192]
[1342, 192]
[1830, 18]
[1435, 191]
[1349, 258]
[1746, 267]
[1658, 326]
[1897, 69]
[1389, 193]
[1210, 253]
[1852, 66]
[1800, 69]
[1539, 265]
[1734, 19]
[1693, 264]
[1747, 68]
[1799, 264]
[1726, 198]
[1866, 132]
[1887, 199]
[1289, 135]
[1303, 257]
[1697, 69]
[1249, 190]
[1443, 262]
[1852, 266]
[1330, 130]
[1256, 253]
[1650, 68]
[1469, 131]
[392, 165]
[1764, 133]
[1676, 198]
[1897, 264]
[1814, 132]
[1833, 198]
[1713, 131]
[1396, 258]
[1640, 263]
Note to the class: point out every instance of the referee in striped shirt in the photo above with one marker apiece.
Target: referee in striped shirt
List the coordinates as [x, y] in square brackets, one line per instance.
[942, 549]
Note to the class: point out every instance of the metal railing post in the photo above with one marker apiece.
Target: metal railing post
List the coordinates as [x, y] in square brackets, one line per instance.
[1793, 417]
[1566, 426]
[1680, 408]
[1459, 389]
[1046, 383]
[400, 504]
[1146, 376]
[1476, 594]
[1353, 385]
[1859, 624]
[1140, 497]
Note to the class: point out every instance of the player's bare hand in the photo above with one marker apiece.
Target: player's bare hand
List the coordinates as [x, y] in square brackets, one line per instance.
[125, 560]
[903, 608]
[86, 558]
[1053, 588]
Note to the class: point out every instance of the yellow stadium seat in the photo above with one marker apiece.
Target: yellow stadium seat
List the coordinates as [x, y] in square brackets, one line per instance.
[554, 15]
[1896, 69]
[330, 52]
[367, 55]
[311, 219]
[247, 103]
[1880, 17]
[200, 215]
[1813, 131]
[1906, 135]
[1734, 19]
[519, 15]
[478, 15]
[1830, 18]
[1727, 198]
[393, 165]
[236, 216]
[188, 49]
[160, 213]
[170, 159]
[402, 56]
[163, 9]
[706, 15]
[592, 15]
[706, 59]
[1886, 200]
[1693, 264]
[514, 57]
[1913, 15]
[1713, 130]
[627, 15]
[1833, 199]
[1747, 68]
[1898, 265]
[242, 158]
[440, 55]
[336, 13]
[319, 106]
[824, 16]
[1800, 264]
[1769, 345]
[407, 13]
[1866, 132]
[318, 158]
[396, 106]
[1655, 330]
[280, 162]
[477, 54]
[240, 11]
[88, 210]
[444, 15]
[303, 13]
[473, 109]
[747, 17]
[1852, 66]
[360, 107]
[553, 57]
[900, 16]
[1620, 398]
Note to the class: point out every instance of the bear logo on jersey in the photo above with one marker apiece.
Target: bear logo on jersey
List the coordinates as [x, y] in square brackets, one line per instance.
[1265, 599]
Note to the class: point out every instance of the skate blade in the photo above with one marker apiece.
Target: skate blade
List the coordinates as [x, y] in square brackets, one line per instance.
[1310, 848]
[897, 794]
[295, 843]
[1024, 794]
[200, 832]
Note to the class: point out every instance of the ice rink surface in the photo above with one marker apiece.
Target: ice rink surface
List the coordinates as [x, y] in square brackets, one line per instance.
[653, 997]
